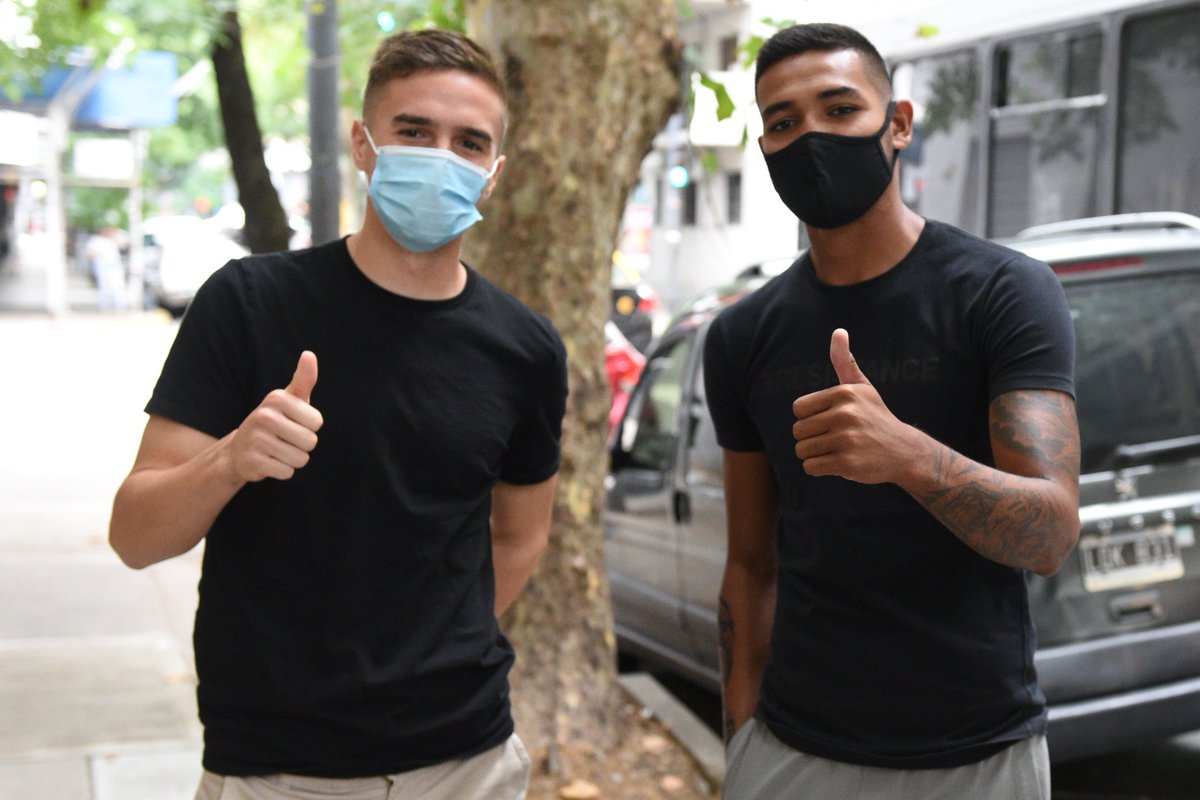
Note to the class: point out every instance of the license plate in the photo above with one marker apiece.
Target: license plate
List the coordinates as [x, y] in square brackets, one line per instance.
[1131, 558]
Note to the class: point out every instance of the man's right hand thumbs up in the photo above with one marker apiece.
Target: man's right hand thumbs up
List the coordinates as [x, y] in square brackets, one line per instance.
[305, 377]
[276, 438]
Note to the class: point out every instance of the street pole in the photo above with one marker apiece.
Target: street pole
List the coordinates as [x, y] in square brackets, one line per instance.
[58, 130]
[324, 184]
[139, 139]
[672, 216]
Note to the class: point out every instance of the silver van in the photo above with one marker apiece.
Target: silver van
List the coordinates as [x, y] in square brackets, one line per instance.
[1118, 626]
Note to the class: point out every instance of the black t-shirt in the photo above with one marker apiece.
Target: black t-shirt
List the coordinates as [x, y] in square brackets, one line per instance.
[894, 644]
[346, 623]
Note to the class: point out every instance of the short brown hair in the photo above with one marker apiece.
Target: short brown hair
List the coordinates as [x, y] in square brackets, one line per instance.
[432, 49]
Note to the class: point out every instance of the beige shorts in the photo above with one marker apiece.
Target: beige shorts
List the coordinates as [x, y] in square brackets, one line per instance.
[760, 767]
[501, 773]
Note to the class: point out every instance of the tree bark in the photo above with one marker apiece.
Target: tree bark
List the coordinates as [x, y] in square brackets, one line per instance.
[590, 85]
[266, 223]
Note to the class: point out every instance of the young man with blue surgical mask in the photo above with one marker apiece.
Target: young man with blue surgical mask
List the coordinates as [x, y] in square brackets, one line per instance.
[900, 445]
[362, 530]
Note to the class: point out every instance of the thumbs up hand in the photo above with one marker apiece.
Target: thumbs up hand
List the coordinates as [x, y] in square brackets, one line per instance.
[843, 359]
[276, 438]
[305, 377]
[847, 430]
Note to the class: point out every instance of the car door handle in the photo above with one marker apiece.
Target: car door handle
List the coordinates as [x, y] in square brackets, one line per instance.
[1141, 608]
[683, 507]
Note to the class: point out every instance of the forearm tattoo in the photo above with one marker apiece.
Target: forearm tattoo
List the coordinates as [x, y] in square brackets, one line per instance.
[1009, 518]
[725, 633]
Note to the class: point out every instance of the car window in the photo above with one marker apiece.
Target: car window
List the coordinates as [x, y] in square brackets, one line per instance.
[1137, 368]
[1047, 128]
[704, 456]
[649, 429]
[1157, 157]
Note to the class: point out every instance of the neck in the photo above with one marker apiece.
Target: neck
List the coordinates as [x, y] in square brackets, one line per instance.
[867, 247]
[436, 275]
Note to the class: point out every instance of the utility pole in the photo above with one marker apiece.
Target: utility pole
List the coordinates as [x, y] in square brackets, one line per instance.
[324, 184]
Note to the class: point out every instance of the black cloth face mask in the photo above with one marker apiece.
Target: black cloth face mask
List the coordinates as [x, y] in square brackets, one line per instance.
[829, 180]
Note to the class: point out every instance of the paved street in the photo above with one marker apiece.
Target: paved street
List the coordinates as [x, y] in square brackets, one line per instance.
[96, 682]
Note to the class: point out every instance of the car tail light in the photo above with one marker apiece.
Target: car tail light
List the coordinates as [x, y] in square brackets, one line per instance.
[1105, 263]
[647, 301]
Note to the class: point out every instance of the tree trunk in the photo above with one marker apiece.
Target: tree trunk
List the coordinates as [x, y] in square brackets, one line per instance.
[590, 84]
[266, 223]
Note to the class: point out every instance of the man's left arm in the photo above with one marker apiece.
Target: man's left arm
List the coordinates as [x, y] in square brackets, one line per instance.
[520, 530]
[1024, 512]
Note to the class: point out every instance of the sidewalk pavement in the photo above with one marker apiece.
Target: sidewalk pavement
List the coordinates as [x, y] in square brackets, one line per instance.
[96, 671]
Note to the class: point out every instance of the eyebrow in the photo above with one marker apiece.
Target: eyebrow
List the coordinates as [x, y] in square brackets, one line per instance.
[413, 119]
[837, 91]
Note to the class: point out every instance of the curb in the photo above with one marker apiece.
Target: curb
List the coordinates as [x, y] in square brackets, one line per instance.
[703, 745]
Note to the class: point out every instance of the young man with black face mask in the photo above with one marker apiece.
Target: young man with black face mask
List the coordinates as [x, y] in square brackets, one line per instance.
[363, 531]
[900, 443]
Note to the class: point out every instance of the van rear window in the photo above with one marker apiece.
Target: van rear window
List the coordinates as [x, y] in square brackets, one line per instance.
[1137, 373]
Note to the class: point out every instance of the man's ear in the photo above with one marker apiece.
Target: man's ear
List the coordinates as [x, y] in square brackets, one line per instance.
[491, 184]
[360, 148]
[902, 124]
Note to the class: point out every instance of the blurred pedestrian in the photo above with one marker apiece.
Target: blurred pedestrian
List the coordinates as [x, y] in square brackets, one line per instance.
[347, 642]
[103, 253]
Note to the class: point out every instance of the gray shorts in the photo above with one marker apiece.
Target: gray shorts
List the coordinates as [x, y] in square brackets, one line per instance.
[760, 767]
[501, 773]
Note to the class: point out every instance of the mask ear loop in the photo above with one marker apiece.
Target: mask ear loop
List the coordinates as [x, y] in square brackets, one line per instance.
[370, 140]
[887, 122]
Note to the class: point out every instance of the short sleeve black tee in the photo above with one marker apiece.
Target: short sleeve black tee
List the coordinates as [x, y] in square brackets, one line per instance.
[346, 623]
[894, 644]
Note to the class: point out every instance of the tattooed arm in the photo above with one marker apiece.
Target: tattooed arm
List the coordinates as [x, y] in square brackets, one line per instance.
[747, 602]
[1023, 513]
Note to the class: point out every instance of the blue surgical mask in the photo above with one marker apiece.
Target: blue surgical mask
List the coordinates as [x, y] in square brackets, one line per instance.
[425, 196]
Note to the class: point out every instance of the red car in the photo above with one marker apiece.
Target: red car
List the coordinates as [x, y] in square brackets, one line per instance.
[623, 363]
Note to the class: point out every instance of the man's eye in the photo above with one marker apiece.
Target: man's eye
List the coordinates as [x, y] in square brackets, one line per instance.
[471, 145]
[782, 125]
[841, 111]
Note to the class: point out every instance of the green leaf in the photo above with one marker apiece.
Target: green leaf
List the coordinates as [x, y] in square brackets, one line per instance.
[446, 14]
[927, 31]
[749, 49]
[725, 104]
[709, 162]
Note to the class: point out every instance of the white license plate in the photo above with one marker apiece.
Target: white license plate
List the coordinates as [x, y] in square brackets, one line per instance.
[1130, 558]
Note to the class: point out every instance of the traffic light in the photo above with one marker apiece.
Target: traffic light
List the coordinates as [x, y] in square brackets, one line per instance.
[385, 21]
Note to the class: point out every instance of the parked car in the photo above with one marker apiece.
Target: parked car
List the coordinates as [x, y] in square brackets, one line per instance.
[623, 364]
[181, 251]
[634, 304]
[1118, 626]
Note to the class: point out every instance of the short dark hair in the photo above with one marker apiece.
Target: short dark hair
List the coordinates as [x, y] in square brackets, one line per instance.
[822, 37]
[431, 49]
